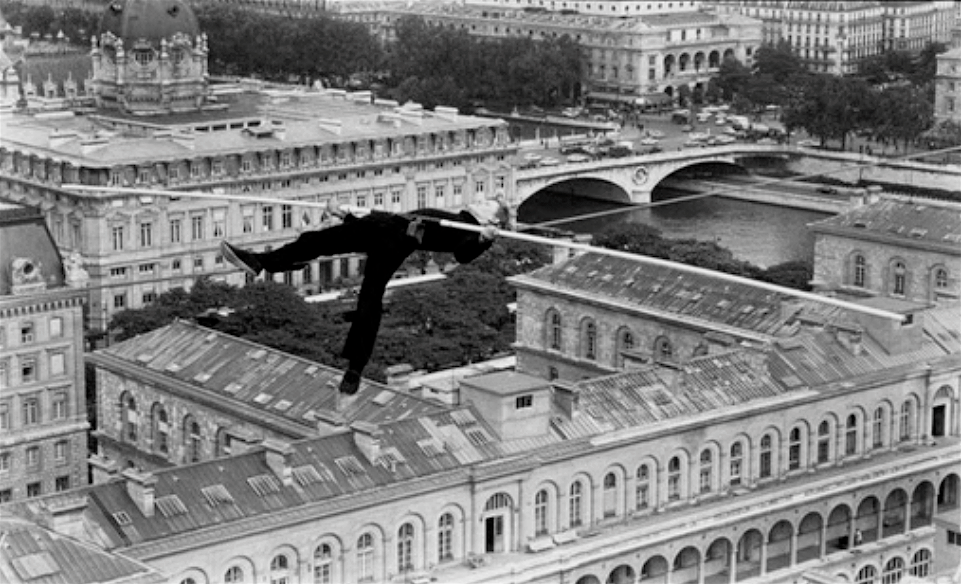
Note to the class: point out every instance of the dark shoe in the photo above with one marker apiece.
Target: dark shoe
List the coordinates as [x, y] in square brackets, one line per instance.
[350, 383]
[243, 259]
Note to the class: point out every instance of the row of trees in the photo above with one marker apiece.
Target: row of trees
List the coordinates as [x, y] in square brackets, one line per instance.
[458, 320]
[76, 24]
[832, 107]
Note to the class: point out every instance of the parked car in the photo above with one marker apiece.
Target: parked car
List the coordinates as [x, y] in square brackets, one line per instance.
[825, 189]
[809, 144]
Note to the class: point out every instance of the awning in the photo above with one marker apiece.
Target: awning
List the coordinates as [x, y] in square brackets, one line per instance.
[643, 99]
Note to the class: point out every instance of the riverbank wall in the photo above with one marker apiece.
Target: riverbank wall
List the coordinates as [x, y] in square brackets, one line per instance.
[824, 203]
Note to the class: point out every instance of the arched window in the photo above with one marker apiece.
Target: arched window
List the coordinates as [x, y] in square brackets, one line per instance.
[899, 274]
[498, 501]
[877, 430]
[904, 426]
[860, 271]
[445, 537]
[643, 493]
[552, 373]
[706, 472]
[590, 340]
[130, 418]
[193, 439]
[365, 558]
[161, 430]
[940, 279]
[234, 575]
[405, 548]
[540, 512]
[794, 449]
[893, 571]
[323, 564]
[674, 479]
[921, 563]
[610, 495]
[737, 463]
[280, 570]
[556, 330]
[824, 442]
[663, 349]
[851, 436]
[766, 457]
[867, 575]
[575, 503]
[627, 340]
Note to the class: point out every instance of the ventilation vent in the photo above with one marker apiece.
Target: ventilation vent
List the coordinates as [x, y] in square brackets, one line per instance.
[383, 397]
[203, 377]
[122, 518]
[431, 447]
[391, 457]
[463, 417]
[171, 506]
[233, 387]
[217, 495]
[350, 466]
[264, 485]
[283, 405]
[258, 354]
[307, 475]
[477, 436]
[263, 398]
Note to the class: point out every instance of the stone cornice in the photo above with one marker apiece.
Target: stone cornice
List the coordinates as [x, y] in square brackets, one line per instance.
[949, 248]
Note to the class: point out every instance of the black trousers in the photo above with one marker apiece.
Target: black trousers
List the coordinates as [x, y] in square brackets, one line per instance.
[383, 237]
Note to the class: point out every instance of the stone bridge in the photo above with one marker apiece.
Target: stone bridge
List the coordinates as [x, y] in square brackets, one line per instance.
[632, 179]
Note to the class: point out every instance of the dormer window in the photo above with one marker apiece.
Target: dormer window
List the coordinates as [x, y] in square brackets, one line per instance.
[524, 402]
[143, 56]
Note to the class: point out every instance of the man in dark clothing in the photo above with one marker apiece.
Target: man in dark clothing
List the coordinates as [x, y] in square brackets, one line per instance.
[388, 239]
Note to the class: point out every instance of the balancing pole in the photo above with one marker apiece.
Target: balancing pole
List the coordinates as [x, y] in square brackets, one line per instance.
[582, 247]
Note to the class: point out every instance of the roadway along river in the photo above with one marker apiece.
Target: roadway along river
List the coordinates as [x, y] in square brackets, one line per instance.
[764, 235]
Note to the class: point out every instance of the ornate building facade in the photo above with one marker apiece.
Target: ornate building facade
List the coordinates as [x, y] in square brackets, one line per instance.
[43, 417]
[653, 50]
[900, 249]
[246, 140]
[821, 453]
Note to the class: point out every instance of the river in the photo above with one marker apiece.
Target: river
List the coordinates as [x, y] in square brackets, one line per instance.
[764, 235]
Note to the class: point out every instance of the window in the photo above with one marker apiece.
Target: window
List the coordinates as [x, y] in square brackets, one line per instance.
[6, 495]
[234, 575]
[199, 263]
[365, 558]
[5, 459]
[905, 422]
[555, 331]
[706, 475]
[590, 340]
[877, 438]
[610, 495]
[196, 227]
[323, 565]
[824, 442]
[118, 273]
[161, 430]
[794, 449]
[57, 364]
[851, 436]
[195, 169]
[900, 276]
[421, 197]
[940, 279]
[287, 216]
[33, 457]
[4, 416]
[643, 492]
[540, 512]
[921, 563]
[175, 265]
[130, 418]
[34, 490]
[176, 230]
[574, 503]
[61, 484]
[116, 236]
[60, 450]
[280, 570]
[56, 327]
[524, 401]
[674, 479]
[445, 537]
[58, 406]
[267, 218]
[663, 349]
[194, 442]
[27, 334]
[867, 575]
[860, 270]
[119, 300]
[766, 457]
[737, 461]
[405, 546]
[893, 571]
[220, 223]
[28, 370]
[146, 234]
[31, 411]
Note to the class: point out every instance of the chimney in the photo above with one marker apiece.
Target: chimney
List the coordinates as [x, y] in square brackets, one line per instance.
[279, 454]
[140, 488]
[367, 439]
[566, 397]
[279, 129]
[849, 337]
[66, 516]
[242, 440]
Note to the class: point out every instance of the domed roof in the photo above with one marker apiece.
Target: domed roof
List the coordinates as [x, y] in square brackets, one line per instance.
[152, 20]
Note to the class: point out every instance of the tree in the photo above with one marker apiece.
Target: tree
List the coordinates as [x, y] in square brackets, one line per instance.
[793, 274]
[777, 63]
[732, 76]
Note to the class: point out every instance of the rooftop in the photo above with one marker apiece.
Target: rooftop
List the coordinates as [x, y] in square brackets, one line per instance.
[242, 373]
[925, 222]
[24, 234]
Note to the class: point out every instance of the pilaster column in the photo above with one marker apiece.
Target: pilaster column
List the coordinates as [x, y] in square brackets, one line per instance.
[732, 563]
